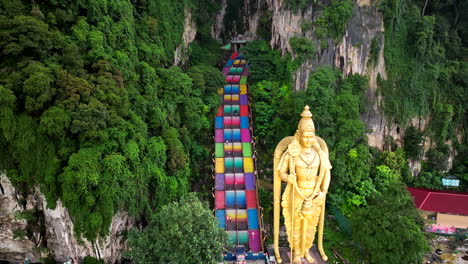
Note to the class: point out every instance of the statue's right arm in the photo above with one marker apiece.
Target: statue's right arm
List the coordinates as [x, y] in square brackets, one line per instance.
[284, 167]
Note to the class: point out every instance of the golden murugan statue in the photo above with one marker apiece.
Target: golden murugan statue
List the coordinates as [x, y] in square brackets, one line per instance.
[301, 161]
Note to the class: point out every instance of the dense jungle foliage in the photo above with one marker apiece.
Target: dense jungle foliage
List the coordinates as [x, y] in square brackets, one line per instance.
[93, 111]
[426, 53]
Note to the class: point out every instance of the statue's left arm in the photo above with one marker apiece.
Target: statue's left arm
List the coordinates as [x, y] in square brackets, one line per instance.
[326, 180]
[325, 163]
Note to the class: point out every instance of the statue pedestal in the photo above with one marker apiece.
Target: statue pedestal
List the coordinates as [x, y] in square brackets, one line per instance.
[286, 251]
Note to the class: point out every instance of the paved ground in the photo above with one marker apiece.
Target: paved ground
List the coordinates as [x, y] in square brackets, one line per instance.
[285, 252]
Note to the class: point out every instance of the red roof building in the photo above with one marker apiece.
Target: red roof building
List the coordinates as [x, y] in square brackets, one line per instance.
[449, 202]
[448, 208]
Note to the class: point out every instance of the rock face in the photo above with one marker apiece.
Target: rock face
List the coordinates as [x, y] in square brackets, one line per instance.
[190, 32]
[218, 26]
[351, 54]
[54, 230]
[15, 249]
[250, 12]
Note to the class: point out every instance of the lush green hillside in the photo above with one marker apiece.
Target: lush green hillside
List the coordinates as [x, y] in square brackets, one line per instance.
[92, 110]
[426, 47]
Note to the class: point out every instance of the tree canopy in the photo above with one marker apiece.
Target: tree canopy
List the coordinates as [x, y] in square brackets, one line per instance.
[181, 232]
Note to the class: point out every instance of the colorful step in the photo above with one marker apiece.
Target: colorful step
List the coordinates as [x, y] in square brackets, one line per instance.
[245, 135]
[235, 199]
[248, 165]
[232, 110]
[219, 135]
[251, 197]
[220, 111]
[246, 149]
[229, 179]
[231, 89]
[243, 89]
[244, 122]
[239, 179]
[219, 182]
[233, 164]
[236, 238]
[231, 99]
[234, 181]
[220, 200]
[243, 80]
[231, 122]
[252, 216]
[244, 110]
[249, 181]
[243, 99]
[219, 122]
[234, 56]
[219, 165]
[232, 149]
[219, 150]
[254, 240]
[221, 217]
[231, 135]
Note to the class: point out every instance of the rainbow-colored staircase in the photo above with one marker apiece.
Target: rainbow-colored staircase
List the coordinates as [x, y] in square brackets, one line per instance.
[236, 199]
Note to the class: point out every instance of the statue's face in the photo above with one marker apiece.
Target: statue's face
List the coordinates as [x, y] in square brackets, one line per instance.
[308, 139]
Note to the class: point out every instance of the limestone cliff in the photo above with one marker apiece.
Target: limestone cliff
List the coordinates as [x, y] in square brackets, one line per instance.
[190, 31]
[50, 231]
[351, 54]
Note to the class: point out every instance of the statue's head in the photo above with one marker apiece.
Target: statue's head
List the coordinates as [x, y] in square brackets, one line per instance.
[306, 130]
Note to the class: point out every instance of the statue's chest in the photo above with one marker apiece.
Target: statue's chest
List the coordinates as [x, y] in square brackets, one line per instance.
[307, 161]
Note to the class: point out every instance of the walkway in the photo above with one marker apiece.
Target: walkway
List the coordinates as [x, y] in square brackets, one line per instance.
[236, 198]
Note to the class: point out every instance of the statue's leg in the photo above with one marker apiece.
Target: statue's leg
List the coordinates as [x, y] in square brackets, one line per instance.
[312, 221]
[309, 257]
[297, 240]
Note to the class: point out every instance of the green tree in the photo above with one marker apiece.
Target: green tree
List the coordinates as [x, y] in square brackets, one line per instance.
[332, 22]
[303, 48]
[91, 260]
[296, 5]
[428, 179]
[437, 158]
[384, 176]
[390, 228]
[412, 142]
[181, 232]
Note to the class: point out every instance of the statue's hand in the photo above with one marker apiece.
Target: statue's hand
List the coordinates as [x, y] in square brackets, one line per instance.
[291, 178]
[319, 195]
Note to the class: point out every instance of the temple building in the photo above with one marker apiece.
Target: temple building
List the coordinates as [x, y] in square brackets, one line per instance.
[447, 211]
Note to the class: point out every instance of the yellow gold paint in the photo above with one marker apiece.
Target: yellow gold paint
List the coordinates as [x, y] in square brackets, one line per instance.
[302, 162]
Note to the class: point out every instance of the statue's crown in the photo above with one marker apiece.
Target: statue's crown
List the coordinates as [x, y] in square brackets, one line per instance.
[306, 123]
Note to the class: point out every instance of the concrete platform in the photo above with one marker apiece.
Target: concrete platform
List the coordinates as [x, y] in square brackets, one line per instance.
[285, 252]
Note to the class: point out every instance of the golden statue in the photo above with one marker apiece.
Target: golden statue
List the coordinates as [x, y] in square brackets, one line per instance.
[302, 162]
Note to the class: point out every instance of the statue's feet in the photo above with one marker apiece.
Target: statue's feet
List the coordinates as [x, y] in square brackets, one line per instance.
[309, 258]
[297, 259]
